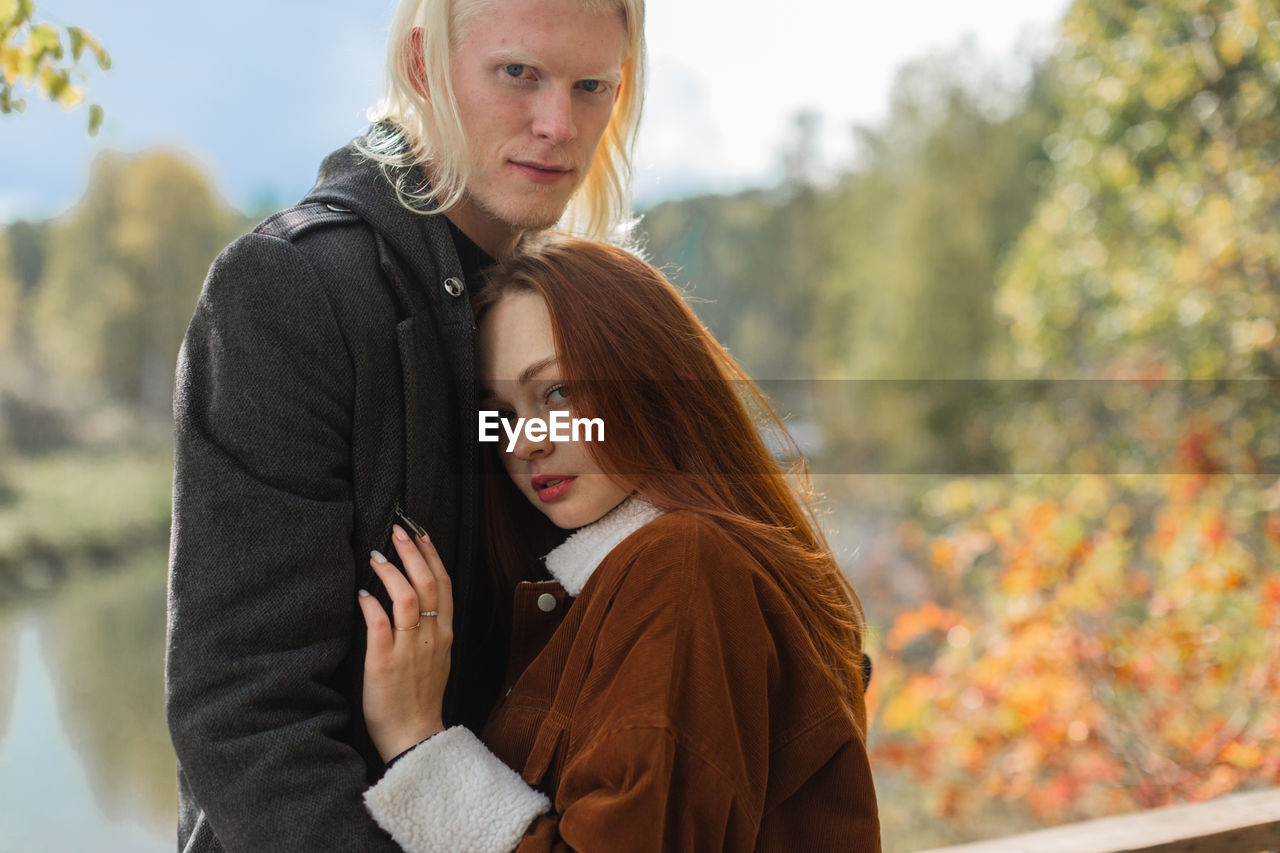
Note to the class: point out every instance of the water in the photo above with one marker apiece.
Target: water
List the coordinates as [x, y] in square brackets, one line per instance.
[85, 760]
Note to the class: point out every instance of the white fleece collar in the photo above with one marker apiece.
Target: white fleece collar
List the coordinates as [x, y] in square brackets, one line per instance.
[573, 560]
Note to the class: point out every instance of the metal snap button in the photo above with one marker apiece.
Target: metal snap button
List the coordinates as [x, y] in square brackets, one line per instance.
[546, 602]
[453, 286]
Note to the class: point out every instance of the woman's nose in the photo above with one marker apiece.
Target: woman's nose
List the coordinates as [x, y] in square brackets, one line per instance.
[527, 448]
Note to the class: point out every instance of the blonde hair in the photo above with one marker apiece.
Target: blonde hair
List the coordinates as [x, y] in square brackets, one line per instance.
[411, 129]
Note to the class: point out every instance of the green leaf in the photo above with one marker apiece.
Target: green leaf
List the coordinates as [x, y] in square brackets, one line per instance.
[7, 9]
[45, 39]
[95, 119]
[24, 13]
[77, 41]
[99, 52]
[55, 83]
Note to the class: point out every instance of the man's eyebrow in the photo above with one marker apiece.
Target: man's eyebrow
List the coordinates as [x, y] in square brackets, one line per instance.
[512, 56]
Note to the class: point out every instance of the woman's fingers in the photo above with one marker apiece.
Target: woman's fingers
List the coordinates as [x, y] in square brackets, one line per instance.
[417, 567]
[427, 588]
[443, 585]
[377, 626]
[404, 601]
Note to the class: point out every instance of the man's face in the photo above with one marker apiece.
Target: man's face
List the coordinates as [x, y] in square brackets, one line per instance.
[535, 82]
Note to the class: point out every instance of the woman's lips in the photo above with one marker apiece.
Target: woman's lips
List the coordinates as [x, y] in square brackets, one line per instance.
[551, 488]
[541, 173]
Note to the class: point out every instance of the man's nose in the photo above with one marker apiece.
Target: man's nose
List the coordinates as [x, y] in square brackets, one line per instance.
[553, 116]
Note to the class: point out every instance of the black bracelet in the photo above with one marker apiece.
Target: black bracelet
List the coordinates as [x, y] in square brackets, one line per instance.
[396, 758]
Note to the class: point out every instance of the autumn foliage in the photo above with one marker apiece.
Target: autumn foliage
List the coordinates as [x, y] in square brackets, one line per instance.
[1097, 644]
[48, 58]
[1103, 630]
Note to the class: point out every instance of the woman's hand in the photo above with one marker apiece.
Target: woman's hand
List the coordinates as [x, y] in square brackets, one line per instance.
[406, 663]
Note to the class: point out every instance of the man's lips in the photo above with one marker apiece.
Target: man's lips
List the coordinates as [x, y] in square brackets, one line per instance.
[543, 173]
[550, 487]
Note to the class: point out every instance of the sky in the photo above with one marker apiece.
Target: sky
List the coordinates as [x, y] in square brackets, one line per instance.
[258, 92]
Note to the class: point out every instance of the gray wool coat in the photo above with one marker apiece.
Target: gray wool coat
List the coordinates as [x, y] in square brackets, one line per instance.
[327, 379]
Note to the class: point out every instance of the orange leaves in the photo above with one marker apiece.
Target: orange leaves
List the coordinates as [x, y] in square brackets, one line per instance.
[910, 705]
[1244, 756]
[1107, 644]
[1271, 527]
[911, 625]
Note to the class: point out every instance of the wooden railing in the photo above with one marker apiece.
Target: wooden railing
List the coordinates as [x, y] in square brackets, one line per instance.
[1238, 823]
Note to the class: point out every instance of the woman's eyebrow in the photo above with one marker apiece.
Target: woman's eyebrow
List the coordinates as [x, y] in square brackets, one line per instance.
[534, 369]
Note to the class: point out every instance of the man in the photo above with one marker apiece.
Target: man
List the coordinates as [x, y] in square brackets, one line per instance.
[326, 388]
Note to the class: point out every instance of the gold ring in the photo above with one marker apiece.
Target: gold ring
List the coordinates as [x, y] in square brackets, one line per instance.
[429, 613]
[411, 627]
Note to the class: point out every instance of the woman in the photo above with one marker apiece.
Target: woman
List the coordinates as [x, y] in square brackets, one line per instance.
[690, 676]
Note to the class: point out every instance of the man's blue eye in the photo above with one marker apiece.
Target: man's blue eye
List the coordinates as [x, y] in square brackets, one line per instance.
[591, 85]
[515, 69]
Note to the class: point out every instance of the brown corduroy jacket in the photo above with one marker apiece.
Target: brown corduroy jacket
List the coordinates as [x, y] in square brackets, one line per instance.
[675, 703]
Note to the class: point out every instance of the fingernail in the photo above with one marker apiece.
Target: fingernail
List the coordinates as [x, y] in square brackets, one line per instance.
[377, 556]
[364, 593]
[399, 532]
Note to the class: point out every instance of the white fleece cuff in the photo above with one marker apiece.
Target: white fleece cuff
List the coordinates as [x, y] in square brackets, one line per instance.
[450, 793]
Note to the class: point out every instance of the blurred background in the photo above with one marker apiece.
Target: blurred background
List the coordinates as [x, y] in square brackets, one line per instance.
[1011, 268]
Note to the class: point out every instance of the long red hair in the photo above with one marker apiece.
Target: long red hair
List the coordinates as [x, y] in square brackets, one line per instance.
[683, 429]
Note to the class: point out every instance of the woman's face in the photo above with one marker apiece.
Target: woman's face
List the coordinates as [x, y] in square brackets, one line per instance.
[520, 377]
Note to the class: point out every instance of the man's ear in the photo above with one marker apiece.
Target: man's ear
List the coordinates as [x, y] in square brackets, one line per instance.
[414, 62]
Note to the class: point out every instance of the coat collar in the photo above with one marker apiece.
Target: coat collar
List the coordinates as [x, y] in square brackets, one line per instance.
[350, 179]
[574, 560]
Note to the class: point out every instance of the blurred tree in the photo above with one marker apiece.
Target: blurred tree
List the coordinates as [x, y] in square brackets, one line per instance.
[754, 262]
[1103, 643]
[889, 273]
[34, 53]
[10, 302]
[1155, 252]
[22, 260]
[27, 251]
[10, 298]
[941, 191]
[918, 230]
[125, 268]
[736, 255]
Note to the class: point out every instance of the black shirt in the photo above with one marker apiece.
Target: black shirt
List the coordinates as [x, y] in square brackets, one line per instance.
[474, 260]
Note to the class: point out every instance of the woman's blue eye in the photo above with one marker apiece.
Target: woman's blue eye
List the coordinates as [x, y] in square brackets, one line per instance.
[515, 69]
[591, 85]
